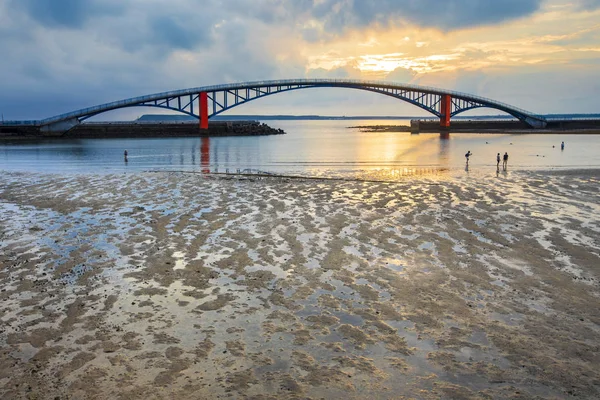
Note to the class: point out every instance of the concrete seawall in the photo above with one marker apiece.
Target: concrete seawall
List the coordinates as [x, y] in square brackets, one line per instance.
[153, 129]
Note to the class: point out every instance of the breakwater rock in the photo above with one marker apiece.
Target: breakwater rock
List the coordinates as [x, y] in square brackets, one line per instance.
[144, 129]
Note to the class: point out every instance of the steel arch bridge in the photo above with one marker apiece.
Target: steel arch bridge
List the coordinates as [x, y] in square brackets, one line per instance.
[208, 101]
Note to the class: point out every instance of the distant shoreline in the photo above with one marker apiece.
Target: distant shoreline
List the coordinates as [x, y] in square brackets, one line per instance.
[405, 128]
[591, 126]
[285, 117]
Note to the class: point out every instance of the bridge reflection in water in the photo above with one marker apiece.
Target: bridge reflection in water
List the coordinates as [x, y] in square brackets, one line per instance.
[359, 156]
[205, 154]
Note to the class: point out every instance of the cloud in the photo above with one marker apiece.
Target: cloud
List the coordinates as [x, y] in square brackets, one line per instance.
[544, 89]
[348, 71]
[339, 16]
[61, 55]
[589, 4]
[175, 33]
[401, 75]
[134, 25]
[162, 27]
[55, 66]
[65, 13]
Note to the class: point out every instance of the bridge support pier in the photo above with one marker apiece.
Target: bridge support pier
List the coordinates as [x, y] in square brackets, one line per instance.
[59, 128]
[203, 112]
[535, 123]
[445, 111]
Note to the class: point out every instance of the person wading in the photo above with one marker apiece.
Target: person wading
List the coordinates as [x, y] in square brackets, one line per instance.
[505, 161]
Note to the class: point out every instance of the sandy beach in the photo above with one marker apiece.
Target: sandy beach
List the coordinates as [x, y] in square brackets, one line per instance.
[191, 286]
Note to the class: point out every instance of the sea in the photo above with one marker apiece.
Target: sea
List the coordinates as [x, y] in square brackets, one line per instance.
[312, 148]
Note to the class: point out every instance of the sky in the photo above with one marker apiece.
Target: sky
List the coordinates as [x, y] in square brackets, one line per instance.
[61, 55]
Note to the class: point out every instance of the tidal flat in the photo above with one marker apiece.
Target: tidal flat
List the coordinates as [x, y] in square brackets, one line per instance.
[192, 286]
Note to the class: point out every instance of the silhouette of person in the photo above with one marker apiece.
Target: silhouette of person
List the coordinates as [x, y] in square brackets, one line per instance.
[125, 155]
[498, 161]
[505, 160]
[562, 146]
[468, 155]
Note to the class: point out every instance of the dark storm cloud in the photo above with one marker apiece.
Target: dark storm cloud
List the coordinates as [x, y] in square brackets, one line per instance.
[65, 13]
[178, 33]
[132, 26]
[174, 31]
[340, 15]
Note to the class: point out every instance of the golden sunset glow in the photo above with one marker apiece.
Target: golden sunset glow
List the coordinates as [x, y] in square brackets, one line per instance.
[537, 40]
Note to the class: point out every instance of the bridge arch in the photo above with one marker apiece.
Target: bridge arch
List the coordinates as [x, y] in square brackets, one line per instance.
[208, 101]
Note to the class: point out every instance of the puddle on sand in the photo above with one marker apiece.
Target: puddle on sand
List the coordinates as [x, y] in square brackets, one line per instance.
[180, 262]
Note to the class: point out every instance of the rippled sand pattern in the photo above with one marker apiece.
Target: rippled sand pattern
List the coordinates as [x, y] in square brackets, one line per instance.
[183, 286]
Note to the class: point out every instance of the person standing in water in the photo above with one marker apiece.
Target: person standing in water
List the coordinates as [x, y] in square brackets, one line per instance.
[505, 160]
[498, 161]
[562, 146]
[125, 155]
[468, 155]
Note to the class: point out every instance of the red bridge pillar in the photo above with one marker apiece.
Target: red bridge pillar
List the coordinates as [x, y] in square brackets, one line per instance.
[445, 110]
[205, 155]
[203, 112]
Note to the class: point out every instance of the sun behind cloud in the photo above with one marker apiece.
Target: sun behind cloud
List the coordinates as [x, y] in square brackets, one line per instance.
[535, 40]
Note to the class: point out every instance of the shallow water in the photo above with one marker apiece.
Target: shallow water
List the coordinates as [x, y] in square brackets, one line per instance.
[314, 148]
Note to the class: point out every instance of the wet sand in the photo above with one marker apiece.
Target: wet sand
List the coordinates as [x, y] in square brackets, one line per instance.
[188, 286]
